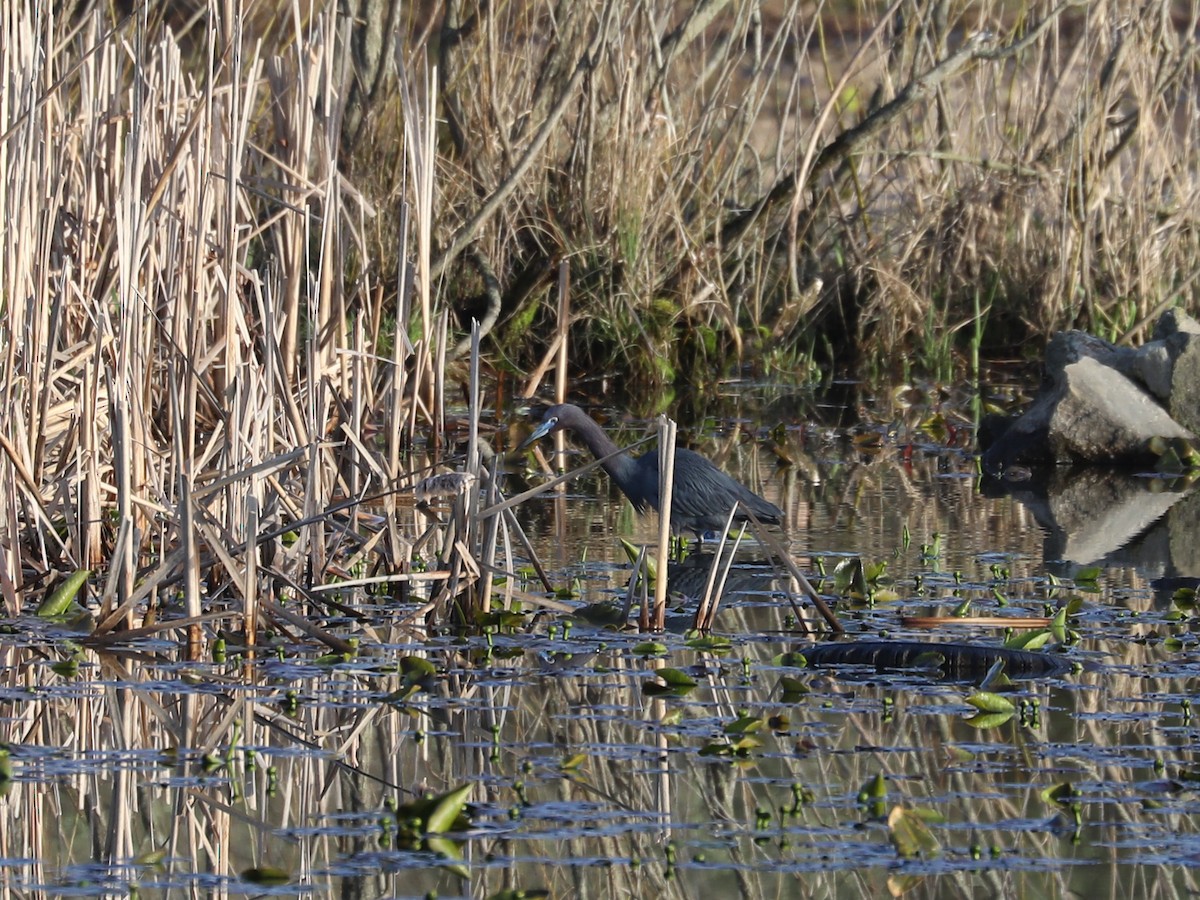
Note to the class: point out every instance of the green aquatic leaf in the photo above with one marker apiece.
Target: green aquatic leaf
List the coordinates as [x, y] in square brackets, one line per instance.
[793, 687]
[746, 745]
[400, 695]
[446, 810]
[995, 677]
[741, 748]
[986, 701]
[744, 725]
[910, 835]
[633, 551]
[932, 550]
[1058, 626]
[668, 681]
[936, 427]
[417, 667]
[791, 660]
[1063, 792]
[572, 763]
[711, 644]
[151, 859]
[849, 579]
[675, 677]
[875, 571]
[67, 668]
[873, 790]
[649, 648]
[436, 814]
[451, 853]
[1034, 639]
[59, 602]
[988, 720]
[499, 618]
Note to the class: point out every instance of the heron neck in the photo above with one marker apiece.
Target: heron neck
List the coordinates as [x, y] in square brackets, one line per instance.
[601, 445]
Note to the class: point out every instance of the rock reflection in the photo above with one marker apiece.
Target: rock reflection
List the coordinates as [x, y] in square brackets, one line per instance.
[1106, 517]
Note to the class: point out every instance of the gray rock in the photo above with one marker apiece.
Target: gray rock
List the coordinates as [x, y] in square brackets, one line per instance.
[1169, 366]
[1095, 405]
[1174, 321]
[1102, 416]
[1184, 400]
[1152, 366]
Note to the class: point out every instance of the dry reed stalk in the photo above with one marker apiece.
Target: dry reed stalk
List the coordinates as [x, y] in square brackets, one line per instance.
[441, 339]
[419, 143]
[706, 608]
[666, 489]
[397, 378]
[553, 483]
[564, 328]
[538, 372]
[483, 550]
[639, 589]
[769, 541]
[526, 544]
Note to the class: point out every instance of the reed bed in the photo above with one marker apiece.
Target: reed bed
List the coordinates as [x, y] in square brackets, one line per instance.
[204, 378]
[859, 185]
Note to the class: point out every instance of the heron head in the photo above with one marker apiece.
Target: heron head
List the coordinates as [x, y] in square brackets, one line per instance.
[550, 421]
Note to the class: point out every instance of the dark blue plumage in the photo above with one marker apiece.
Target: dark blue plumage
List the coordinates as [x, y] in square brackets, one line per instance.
[702, 495]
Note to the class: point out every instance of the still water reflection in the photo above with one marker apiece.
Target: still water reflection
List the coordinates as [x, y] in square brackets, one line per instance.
[762, 778]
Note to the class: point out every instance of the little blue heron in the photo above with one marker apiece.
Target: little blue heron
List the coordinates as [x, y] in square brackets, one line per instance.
[702, 494]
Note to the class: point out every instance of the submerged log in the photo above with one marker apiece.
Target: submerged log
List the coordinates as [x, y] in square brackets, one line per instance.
[956, 661]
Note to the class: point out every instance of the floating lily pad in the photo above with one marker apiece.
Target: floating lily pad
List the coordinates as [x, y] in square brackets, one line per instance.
[909, 833]
[670, 681]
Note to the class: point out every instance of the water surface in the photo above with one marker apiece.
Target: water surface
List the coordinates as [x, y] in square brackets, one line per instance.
[137, 767]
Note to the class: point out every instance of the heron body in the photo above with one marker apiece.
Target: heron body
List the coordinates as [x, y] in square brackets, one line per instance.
[702, 494]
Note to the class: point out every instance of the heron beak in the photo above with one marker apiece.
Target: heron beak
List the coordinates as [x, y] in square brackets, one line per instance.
[538, 433]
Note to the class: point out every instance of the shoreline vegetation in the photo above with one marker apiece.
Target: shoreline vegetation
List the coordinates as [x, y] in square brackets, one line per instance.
[240, 245]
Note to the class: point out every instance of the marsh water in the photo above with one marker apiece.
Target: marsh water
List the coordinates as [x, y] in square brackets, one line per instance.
[741, 773]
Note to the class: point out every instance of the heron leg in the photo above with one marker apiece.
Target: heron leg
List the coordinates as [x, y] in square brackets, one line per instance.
[679, 546]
